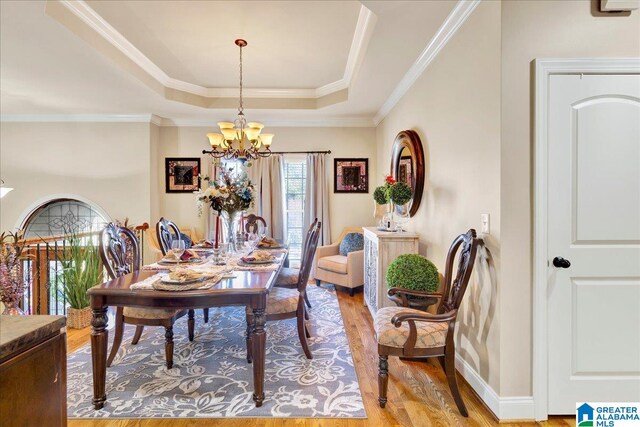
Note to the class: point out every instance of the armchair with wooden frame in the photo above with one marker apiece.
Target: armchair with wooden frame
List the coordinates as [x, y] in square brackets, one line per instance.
[118, 261]
[346, 271]
[406, 332]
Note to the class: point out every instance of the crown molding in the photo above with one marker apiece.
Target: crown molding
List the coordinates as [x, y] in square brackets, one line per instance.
[362, 122]
[449, 27]
[168, 122]
[80, 118]
[359, 44]
[362, 35]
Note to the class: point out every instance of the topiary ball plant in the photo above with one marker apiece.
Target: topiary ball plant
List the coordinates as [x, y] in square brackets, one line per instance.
[400, 193]
[380, 195]
[413, 272]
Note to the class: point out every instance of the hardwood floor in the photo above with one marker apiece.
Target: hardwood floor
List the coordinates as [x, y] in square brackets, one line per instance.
[418, 391]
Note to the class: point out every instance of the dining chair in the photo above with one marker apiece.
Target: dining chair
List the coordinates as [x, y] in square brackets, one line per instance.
[114, 254]
[284, 303]
[288, 277]
[407, 332]
[252, 224]
[165, 230]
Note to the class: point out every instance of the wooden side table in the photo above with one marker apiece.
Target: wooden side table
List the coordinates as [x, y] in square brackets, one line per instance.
[380, 249]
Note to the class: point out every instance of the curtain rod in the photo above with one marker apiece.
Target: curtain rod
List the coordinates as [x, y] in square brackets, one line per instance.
[301, 152]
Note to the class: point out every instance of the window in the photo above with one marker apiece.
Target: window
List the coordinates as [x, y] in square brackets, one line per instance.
[295, 172]
[62, 216]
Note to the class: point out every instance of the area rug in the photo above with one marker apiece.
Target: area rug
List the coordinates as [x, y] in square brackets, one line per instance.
[211, 378]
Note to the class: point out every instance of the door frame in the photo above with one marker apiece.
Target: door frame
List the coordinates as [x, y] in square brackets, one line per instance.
[544, 69]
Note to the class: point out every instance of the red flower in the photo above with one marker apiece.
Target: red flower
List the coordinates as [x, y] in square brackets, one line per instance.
[390, 180]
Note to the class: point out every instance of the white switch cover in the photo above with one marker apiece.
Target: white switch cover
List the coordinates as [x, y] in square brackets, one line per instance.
[484, 222]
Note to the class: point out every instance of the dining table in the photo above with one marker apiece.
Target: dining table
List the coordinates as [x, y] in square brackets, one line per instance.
[249, 288]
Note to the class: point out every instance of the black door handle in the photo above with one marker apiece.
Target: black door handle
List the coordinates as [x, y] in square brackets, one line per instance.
[561, 262]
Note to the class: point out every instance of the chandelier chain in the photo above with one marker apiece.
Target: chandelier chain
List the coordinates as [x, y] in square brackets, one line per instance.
[241, 108]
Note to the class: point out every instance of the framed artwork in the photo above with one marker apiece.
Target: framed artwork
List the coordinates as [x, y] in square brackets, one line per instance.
[181, 174]
[350, 175]
[405, 170]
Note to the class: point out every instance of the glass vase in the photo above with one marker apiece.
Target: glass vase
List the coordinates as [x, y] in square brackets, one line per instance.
[231, 220]
[12, 308]
[401, 215]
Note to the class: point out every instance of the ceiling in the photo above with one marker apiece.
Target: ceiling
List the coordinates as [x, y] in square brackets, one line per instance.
[307, 62]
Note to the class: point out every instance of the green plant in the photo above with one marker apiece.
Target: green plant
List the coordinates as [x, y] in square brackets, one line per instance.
[400, 193]
[380, 195]
[413, 272]
[81, 270]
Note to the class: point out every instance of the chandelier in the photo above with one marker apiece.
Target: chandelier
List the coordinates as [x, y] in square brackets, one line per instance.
[239, 139]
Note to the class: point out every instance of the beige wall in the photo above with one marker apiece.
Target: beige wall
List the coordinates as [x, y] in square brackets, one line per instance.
[530, 30]
[345, 209]
[120, 167]
[106, 163]
[455, 108]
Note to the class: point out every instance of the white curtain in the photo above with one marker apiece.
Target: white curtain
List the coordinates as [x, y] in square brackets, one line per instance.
[267, 174]
[316, 201]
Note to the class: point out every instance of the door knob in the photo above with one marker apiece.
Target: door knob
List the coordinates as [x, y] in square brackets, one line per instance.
[561, 262]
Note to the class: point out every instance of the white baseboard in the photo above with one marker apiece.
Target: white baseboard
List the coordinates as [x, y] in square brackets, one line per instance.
[504, 408]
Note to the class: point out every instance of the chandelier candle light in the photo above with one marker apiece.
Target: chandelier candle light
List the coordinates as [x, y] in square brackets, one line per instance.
[239, 139]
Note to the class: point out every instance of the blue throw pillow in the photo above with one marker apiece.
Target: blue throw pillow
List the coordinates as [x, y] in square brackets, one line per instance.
[351, 242]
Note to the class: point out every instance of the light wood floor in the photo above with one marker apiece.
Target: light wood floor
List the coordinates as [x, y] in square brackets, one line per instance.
[418, 391]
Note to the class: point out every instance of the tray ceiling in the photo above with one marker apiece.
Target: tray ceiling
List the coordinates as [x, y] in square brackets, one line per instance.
[307, 62]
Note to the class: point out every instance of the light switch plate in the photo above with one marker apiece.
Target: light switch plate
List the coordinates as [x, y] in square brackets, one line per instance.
[484, 223]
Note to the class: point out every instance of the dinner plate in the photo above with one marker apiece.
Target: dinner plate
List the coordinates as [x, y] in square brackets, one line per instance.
[262, 261]
[169, 281]
[176, 262]
[270, 247]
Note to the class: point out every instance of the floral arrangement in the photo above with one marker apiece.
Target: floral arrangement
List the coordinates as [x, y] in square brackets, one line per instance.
[11, 284]
[232, 192]
[392, 191]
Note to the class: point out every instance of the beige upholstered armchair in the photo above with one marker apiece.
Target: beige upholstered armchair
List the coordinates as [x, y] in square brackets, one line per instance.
[346, 271]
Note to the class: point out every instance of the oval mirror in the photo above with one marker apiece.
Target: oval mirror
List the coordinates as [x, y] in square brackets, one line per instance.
[407, 165]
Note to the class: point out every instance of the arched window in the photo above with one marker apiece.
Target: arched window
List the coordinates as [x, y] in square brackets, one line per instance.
[62, 216]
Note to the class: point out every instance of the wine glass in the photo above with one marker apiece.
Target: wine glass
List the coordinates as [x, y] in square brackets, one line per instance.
[178, 247]
[253, 240]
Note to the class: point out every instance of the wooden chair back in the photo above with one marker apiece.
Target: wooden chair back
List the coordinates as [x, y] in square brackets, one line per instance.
[165, 230]
[306, 238]
[455, 287]
[307, 256]
[119, 250]
[252, 224]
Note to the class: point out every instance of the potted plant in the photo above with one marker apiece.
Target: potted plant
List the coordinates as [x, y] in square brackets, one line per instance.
[396, 195]
[410, 278]
[81, 270]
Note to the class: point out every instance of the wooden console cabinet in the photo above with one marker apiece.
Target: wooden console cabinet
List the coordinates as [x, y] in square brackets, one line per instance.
[33, 371]
[380, 249]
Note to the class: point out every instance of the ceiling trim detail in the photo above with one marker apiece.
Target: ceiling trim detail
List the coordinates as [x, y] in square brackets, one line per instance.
[362, 35]
[449, 27]
[364, 122]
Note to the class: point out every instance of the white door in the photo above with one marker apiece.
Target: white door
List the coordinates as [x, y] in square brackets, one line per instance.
[593, 224]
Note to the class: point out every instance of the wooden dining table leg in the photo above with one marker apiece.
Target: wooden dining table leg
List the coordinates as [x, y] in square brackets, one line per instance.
[99, 338]
[258, 350]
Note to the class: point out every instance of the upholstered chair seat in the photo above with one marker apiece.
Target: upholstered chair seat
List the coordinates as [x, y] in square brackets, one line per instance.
[429, 334]
[288, 277]
[334, 263]
[149, 313]
[281, 300]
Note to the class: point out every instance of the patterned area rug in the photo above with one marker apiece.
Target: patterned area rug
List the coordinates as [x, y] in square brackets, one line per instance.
[211, 377]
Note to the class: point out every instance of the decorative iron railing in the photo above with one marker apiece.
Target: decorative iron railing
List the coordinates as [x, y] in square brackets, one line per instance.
[41, 270]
